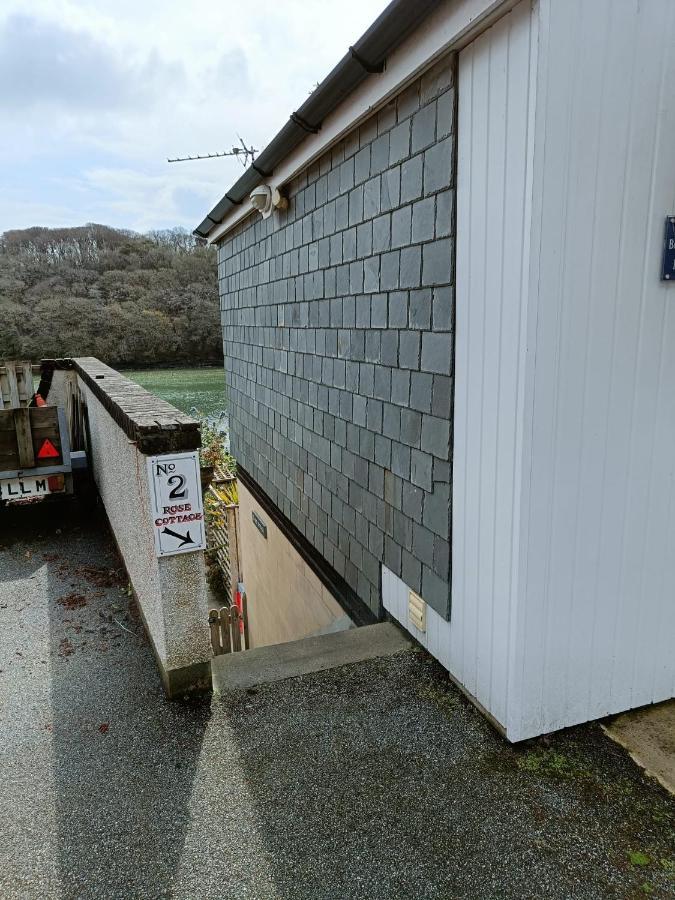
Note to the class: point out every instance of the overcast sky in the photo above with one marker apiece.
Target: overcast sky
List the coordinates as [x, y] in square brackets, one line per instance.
[94, 97]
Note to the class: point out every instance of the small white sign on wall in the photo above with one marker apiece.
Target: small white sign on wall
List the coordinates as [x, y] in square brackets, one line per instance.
[176, 503]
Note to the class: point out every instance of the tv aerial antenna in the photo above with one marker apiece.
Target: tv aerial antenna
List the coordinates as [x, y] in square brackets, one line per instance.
[243, 153]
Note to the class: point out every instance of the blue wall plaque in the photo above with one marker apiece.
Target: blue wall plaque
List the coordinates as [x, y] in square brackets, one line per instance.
[668, 271]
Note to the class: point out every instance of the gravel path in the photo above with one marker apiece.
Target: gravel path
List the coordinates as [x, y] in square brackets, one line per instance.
[373, 781]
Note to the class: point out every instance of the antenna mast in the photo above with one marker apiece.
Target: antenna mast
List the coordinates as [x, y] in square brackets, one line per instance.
[243, 154]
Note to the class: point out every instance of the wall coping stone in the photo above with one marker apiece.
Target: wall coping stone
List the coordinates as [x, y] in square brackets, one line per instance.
[154, 425]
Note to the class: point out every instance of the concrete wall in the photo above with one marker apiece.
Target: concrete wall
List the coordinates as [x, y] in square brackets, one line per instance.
[286, 600]
[171, 591]
[337, 328]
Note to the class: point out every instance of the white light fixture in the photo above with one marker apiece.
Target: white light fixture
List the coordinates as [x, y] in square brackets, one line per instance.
[265, 199]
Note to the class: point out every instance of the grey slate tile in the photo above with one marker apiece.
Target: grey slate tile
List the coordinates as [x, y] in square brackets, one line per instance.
[398, 309]
[400, 387]
[424, 128]
[412, 501]
[382, 233]
[371, 274]
[356, 205]
[390, 188]
[435, 592]
[421, 468]
[443, 302]
[445, 212]
[389, 348]
[371, 198]
[346, 176]
[438, 166]
[364, 239]
[411, 264]
[420, 309]
[400, 226]
[437, 352]
[441, 397]
[409, 349]
[411, 178]
[423, 219]
[362, 165]
[399, 142]
[378, 311]
[379, 155]
[437, 262]
[436, 510]
[436, 436]
[445, 113]
[389, 270]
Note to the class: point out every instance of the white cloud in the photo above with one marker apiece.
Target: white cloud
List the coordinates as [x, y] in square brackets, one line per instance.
[113, 90]
[44, 64]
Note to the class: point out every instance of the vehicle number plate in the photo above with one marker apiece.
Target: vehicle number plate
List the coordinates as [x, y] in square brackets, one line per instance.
[24, 488]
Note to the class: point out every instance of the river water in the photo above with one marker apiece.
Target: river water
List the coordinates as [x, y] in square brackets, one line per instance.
[198, 391]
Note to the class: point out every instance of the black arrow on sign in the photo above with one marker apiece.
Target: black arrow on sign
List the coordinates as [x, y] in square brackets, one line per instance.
[183, 538]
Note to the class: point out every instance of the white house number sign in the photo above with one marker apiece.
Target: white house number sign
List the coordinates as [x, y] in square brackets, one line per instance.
[176, 501]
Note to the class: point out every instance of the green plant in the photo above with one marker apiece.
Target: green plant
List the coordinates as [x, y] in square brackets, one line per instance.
[213, 452]
[638, 858]
[551, 762]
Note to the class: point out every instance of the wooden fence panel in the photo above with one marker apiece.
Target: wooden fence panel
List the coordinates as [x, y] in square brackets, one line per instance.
[16, 384]
[228, 627]
[225, 625]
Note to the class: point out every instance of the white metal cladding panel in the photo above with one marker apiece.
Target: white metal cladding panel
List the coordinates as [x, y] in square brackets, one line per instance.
[495, 109]
[598, 621]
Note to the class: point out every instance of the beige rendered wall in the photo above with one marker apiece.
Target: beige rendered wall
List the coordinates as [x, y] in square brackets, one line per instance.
[286, 600]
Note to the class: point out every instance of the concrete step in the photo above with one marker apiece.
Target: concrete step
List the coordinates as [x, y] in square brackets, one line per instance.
[648, 734]
[262, 665]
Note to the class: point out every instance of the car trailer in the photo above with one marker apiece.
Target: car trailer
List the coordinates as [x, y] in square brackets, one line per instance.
[37, 461]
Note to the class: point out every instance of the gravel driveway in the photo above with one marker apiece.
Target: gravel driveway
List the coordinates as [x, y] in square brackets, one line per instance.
[376, 780]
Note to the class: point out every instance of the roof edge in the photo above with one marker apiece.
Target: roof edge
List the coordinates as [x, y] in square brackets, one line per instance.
[366, 58]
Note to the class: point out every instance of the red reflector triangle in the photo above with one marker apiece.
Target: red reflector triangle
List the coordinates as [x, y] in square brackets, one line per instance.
[48, 450]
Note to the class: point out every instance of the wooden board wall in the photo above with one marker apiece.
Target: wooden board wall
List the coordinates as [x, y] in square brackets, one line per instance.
[44, 424]
[16, 384]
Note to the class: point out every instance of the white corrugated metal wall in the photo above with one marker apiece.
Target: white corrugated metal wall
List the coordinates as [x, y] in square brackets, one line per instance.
[494, 167]
[563, 603]
[597, 615]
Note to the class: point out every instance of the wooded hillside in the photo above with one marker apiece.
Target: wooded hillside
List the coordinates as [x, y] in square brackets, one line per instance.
[127, 298]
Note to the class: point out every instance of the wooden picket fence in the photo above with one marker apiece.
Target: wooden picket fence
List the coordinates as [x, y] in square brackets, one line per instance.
[223, 528]
[229, 624]
[229, 628]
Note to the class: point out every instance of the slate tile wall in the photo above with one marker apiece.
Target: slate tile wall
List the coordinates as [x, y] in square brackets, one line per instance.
[337, 330]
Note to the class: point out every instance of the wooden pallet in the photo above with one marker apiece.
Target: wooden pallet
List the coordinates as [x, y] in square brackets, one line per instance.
[16, 384]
